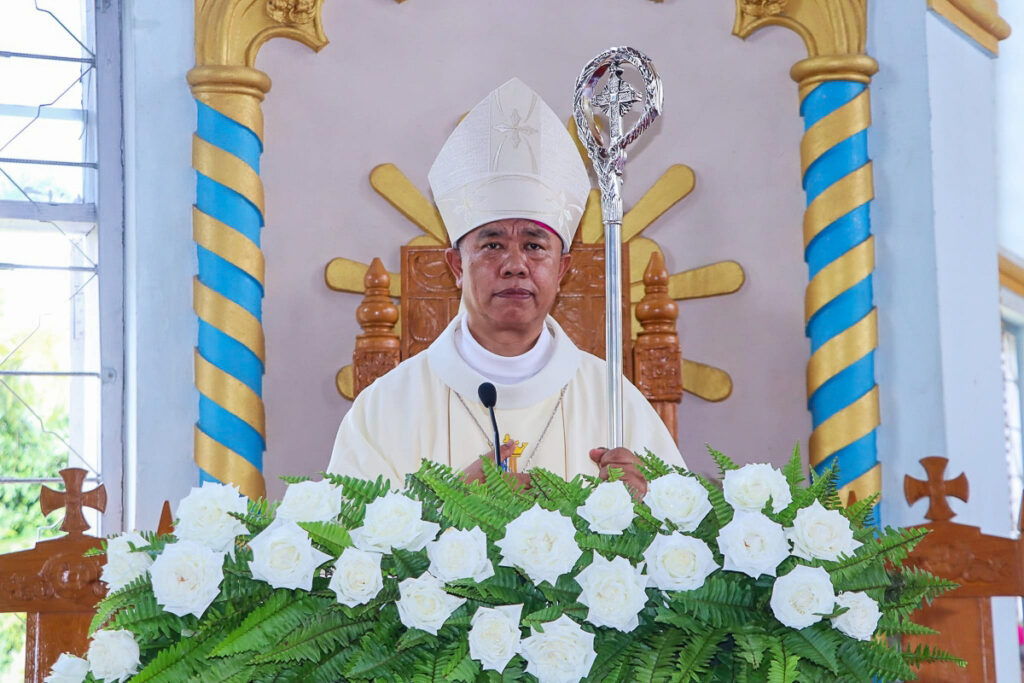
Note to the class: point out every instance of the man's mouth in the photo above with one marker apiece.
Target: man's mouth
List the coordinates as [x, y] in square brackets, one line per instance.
[514, 293]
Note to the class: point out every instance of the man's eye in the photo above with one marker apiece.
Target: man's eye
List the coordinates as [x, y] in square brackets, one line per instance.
[492, 245]
[534, 246]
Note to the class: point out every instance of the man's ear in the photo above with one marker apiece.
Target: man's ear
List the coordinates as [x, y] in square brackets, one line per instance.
[563, 266]
[453, 257]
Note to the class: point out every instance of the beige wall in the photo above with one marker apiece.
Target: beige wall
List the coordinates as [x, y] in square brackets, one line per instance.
[390, 87]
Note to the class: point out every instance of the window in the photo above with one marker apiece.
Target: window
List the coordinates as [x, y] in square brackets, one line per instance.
[61, 254]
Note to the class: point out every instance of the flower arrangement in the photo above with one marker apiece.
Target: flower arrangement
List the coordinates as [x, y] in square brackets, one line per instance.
[759, 580]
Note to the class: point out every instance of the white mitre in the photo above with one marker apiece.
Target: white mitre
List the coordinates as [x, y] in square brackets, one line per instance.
[510, 157]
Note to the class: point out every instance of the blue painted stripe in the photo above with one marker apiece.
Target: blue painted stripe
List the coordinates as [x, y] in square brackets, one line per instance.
[826, 98]
[231, 356]
[228, 207]
[230, 281]
[836, 164]
[840, 313]
[205, 477]
[231, 430]
[229, 135]
[842, 389]
[854, 460]
[838, 238]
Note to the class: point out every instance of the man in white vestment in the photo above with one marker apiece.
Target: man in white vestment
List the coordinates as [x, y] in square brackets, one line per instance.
[511, 187]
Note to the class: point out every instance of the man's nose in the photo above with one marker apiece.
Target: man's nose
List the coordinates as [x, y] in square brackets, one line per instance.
[515, 263]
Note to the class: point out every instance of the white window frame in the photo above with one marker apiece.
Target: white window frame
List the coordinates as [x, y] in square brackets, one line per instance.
[108, 214]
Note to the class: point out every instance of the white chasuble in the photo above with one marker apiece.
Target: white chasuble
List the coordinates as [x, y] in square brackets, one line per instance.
[427, 407]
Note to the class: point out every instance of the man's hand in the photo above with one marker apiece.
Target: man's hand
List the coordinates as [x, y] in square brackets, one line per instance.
[624, 460]
[475, 472]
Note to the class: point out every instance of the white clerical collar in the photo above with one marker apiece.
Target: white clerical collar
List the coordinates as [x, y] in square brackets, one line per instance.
[503, 369]
[562, 361]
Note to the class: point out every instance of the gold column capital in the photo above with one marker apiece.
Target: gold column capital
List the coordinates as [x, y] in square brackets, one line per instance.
[834, 33]
[231, 32]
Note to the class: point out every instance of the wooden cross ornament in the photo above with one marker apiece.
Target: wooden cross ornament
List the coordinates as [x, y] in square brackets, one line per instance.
[936, 488]
[73, 499]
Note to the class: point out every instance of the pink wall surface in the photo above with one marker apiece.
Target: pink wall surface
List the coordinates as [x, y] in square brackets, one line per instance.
[390, 87]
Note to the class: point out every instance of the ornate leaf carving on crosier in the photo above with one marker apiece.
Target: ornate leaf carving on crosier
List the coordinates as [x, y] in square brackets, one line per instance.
[828, 27]
[231, 32]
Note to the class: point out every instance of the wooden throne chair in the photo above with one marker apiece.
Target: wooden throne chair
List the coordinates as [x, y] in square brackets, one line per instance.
[984, 566]
[430, 299]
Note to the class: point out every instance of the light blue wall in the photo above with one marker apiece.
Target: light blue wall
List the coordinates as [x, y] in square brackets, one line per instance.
[160, 329]
[934, 217]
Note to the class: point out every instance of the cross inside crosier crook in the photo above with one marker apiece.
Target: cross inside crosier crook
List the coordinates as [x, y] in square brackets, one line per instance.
[615, 100]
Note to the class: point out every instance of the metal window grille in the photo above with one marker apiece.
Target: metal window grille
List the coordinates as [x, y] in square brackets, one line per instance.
[61, 249]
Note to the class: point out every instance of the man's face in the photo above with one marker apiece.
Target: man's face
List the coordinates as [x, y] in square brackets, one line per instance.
[509, 272]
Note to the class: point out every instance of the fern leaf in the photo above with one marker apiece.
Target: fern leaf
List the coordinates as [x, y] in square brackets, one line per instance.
[267, 625]
[331, 537]
[723, 461]
[695, 657]
[818, 644]
[794, 469]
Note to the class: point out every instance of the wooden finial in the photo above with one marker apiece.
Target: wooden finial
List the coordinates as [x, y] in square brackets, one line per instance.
[657, 359]
[378, 313]
[73, 500]
[657, 311]
[936, 488]
[377, 348]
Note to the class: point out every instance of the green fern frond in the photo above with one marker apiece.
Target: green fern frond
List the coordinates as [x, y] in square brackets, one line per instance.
[293, 480]
[657, 654]
[652, 467]
[267, 625]
[794, 469]
[359, 490]
[121, 599]
[926, 654]
[719, 603]
[331, 537]
[723, 511]
[325, 633]
[723, 461]
[818, 644]
[782, 667]
[695, 658]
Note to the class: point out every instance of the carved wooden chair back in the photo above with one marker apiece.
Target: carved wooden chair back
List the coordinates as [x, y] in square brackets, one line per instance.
[984, 566]
[430, 300]
[53, 584]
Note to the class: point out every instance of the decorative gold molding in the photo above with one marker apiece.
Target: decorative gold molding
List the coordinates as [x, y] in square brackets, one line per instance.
[231, 32]
[1011, 275]
[979, 19]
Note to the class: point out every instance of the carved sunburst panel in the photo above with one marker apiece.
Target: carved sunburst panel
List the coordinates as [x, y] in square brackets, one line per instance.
[725, 277]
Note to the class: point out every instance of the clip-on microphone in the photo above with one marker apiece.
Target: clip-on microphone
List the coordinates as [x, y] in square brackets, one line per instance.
[489, 397]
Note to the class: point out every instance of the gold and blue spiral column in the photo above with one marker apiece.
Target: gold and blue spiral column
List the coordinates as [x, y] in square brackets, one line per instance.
[841, 320]
[230, 437]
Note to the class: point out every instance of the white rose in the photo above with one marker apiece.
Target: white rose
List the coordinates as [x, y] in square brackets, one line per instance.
[203, 516]
[68, 669]
[614, 592]
[820, 534]
[123, 565]
[186, 577]
[424, 604]
[357, 578]
[310, 501]
[460, 554]
[803, 596]
[494, 636]
[861, 620]
[394, 521]
[562, 653]
[113, 655]
[541, 543]
[284, 557]
[609, 508]
[753, 544]
[678, 562]
[750, 487]
[678, 499]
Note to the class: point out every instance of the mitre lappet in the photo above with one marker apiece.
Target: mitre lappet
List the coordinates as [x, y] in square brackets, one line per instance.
[510, 157]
